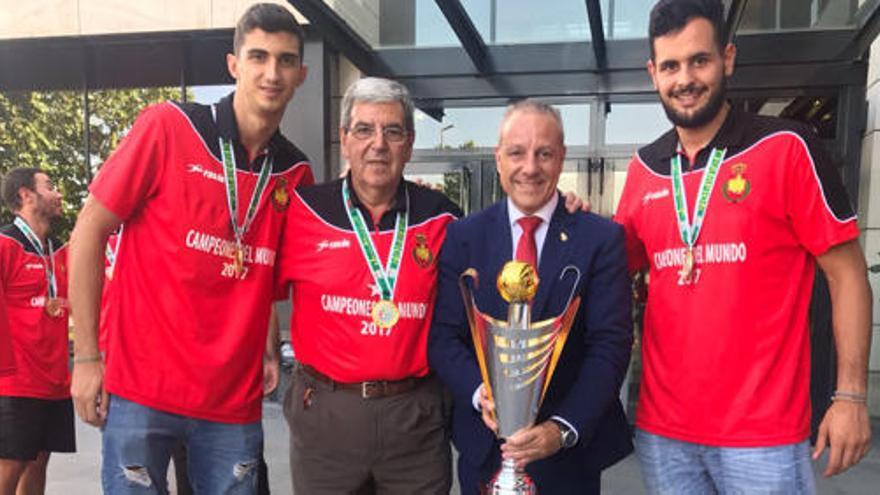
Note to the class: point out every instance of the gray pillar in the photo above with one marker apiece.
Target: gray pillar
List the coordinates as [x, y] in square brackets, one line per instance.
[306, 121]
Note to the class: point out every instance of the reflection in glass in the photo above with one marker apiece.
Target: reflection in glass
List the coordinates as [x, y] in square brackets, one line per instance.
[455, 184]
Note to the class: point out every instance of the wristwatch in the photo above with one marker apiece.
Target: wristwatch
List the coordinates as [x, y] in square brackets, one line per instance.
[568, 437]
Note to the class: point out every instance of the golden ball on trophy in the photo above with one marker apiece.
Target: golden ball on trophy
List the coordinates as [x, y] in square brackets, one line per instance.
[517, 282]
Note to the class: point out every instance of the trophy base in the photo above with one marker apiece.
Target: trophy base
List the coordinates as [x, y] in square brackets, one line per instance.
[510, 481]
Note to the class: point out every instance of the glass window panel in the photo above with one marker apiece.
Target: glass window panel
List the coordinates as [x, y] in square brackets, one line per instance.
[520, 21]
[635, 123]
[630, 18]
[779, 15]
[477, 127]
[396, 23]
[432, 28]
[455, 184]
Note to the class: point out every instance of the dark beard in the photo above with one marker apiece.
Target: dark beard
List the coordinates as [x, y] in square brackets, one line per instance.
[702, 116]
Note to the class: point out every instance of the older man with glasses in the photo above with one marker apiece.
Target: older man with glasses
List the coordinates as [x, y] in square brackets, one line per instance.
[364, 411]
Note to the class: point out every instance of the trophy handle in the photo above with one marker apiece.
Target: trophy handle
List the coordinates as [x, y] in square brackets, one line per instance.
[478, 330]
[577, 280]
[563, 322]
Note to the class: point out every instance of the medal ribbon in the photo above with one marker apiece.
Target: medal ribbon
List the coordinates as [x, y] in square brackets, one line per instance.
[385, 278]
[110, 252]
[38, 246]
[231, 182]
[232, 190]
[690, 232]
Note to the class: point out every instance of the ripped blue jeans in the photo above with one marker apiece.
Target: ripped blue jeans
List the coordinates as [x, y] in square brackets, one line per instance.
[138, 441]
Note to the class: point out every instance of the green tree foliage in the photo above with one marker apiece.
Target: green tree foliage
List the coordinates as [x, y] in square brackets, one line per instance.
[45, 129]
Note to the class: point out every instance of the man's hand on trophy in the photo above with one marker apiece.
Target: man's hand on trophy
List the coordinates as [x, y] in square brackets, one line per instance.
[532, 444]
[487, 410]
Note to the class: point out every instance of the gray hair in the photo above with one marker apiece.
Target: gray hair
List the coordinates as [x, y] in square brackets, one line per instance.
[377, 90]
[533, 106]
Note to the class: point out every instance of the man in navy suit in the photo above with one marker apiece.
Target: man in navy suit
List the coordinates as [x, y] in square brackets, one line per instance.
[581, 428]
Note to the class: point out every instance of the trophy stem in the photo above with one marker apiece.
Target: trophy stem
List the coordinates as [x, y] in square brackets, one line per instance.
[512, 481]
[519, 315]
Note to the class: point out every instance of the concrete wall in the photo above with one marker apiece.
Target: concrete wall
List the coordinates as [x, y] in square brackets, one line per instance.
[45, 18]
[869, 212]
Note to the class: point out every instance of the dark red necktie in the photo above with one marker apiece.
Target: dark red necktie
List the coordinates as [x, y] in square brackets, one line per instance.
[526, 249]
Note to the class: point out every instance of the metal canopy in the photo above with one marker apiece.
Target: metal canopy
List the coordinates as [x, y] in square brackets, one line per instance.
[467, 33]
[868, 25]
[440, 77]
[734, 16]
[339, 35]
[597, 33]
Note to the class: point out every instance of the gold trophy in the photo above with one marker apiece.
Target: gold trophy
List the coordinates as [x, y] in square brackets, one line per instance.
[516, 357]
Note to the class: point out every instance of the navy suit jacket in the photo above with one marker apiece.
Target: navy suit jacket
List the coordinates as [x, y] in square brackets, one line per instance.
[585, 386]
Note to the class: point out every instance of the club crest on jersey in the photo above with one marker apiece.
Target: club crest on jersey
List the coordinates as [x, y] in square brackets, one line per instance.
[280, 196]
[422, 253]
[737, 186]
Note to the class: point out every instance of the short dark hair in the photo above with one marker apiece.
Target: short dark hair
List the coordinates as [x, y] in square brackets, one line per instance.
[669, 16]
[14, 180]
[271, 18]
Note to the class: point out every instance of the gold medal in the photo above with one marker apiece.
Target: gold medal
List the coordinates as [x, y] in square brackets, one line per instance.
[687, 267]
[385, 314]
[238, 260]
[54, 307]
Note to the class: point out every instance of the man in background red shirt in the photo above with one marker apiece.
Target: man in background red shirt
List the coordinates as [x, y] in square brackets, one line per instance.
[36, 415]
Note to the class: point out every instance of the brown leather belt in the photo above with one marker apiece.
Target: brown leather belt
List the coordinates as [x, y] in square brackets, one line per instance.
[367, 390]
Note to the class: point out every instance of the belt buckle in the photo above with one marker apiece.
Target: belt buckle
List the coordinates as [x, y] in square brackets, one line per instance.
[369, 389]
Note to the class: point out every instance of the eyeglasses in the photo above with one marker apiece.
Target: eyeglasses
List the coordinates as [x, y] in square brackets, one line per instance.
[392, 134]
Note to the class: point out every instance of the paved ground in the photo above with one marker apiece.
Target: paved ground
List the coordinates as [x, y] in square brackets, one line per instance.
[80, 473]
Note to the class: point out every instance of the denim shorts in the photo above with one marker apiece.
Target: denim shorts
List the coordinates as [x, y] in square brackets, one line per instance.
[138, 442]
[675, 467]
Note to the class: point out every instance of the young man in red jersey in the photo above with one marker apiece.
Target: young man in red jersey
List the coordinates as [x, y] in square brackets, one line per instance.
[203, 192]
[36, 415]
[730, 213]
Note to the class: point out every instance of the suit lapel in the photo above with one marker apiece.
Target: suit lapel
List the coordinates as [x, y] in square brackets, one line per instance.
[498, 240]
[555, 254]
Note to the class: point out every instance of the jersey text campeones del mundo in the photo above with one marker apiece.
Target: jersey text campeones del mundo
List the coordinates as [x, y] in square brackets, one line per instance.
[334, 291]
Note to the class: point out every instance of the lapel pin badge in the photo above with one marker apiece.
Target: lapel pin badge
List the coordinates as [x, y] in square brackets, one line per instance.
[563, 236]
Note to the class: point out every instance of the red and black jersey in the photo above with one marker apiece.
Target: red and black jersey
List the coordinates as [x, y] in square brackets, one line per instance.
[187, 332]
[726, 357]
[39, 341]
[334, 291]
[7, 357]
